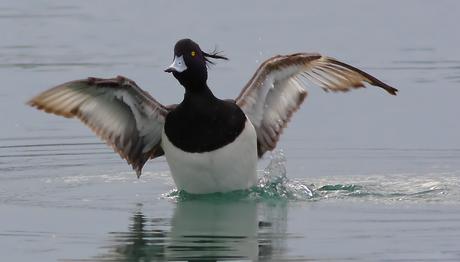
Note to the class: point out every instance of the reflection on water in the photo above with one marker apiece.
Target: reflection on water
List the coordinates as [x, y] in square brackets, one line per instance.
[203, 230]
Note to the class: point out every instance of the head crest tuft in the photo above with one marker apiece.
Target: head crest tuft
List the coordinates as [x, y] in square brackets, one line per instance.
[215, 54]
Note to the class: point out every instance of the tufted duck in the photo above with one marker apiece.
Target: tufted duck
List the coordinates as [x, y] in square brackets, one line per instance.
[211, 145]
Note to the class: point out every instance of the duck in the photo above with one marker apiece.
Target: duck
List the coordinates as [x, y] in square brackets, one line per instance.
[210, 144]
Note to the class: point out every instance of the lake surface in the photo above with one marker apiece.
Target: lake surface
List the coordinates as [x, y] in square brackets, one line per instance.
[360, 176]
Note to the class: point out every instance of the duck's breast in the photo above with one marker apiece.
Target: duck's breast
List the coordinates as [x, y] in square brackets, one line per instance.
[225, 169]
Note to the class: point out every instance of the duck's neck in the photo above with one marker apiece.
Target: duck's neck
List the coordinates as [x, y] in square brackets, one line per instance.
[199, 92]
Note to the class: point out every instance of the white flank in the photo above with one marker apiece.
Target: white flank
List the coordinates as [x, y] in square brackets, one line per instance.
[230, 168]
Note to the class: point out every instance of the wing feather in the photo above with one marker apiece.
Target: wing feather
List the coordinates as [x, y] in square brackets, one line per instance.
[277, 90]
[126, 117]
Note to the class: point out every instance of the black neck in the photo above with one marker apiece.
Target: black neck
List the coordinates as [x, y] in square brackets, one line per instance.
[193, 80]
[201, 92]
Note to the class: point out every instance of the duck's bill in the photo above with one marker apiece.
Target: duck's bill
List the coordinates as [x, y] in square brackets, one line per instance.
[178, 65]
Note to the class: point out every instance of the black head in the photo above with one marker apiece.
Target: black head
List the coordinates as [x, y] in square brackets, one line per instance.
[190, 64]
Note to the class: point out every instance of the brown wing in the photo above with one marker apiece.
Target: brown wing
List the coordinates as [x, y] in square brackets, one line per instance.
[276, 90]
[117, 110]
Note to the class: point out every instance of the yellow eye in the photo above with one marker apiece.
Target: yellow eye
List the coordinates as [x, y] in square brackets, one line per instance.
[193, 53]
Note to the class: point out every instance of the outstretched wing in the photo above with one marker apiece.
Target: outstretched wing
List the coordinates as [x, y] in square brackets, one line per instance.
[117, 110]
[276, 90]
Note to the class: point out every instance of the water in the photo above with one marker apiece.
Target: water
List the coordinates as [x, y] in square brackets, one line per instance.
[361, 176]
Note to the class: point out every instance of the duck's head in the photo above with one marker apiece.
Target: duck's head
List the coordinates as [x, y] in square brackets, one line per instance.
[189, 66]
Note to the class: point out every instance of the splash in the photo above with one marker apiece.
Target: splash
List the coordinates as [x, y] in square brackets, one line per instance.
[273, 184]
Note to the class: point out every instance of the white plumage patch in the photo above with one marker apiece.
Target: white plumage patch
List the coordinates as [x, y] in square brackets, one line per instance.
[229, 168]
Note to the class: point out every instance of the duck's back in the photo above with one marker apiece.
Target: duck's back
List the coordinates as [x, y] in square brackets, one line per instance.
[211, 147]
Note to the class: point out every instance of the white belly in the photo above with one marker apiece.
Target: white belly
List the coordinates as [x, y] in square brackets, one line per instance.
[232, 167]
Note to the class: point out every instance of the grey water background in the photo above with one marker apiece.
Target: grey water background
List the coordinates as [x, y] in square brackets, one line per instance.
[384, 171]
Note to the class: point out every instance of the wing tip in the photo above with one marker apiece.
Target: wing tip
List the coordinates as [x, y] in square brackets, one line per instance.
[138, 172]
[370, 79]
[392, 91]
[31, 103]
[35, 103]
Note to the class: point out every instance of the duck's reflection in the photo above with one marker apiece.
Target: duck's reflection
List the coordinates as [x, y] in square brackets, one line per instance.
[209, 230]
[204, 230]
